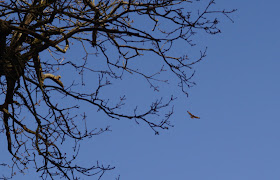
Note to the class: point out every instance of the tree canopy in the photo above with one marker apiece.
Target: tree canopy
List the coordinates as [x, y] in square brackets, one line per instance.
[36, 122]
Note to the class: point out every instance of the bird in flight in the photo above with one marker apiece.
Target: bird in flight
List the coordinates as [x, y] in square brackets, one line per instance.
[193, 116]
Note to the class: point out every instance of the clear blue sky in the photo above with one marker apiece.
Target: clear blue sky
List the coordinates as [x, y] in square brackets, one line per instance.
[238, 99]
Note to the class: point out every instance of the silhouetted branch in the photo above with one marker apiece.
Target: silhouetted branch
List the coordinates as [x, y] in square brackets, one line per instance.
[118, 31]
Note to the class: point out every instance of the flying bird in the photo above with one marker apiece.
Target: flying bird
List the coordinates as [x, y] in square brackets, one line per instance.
[193, 116]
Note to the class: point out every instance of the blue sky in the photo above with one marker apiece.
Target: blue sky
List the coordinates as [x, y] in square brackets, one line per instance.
[237, 98]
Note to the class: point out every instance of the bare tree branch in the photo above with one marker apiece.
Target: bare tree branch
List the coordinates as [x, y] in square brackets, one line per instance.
[33, 84]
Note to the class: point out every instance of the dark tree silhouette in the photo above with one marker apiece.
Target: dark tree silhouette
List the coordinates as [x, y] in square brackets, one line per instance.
[36, 122]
